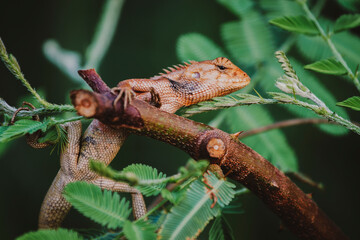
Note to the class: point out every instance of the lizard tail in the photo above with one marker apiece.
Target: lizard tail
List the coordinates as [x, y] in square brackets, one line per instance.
[54, 207]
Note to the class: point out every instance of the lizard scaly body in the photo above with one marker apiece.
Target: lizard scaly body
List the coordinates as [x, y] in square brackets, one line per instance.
[183, 85]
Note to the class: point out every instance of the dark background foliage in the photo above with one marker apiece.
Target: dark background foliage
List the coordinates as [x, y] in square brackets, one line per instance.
[144, 43]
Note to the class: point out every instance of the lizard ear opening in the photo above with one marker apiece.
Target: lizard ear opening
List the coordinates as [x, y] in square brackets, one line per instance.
[196, 75]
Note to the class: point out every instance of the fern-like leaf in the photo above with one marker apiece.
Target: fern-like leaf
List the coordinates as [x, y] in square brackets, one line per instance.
[278, 8]
[147, 173]
[195, 46]
[249, 40]
[298, 24]
[53, 234]
[351, 5]
[327, 66]
[353, 103]
[221, 230]
[238, 7]
[313, 47]
[347, 21]
[139, 230]
[187, 219]
[21, 128]
[349, 46]
[102, 207]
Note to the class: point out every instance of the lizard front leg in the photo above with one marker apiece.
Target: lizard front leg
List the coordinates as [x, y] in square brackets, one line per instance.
[55, 207]
[139, 206]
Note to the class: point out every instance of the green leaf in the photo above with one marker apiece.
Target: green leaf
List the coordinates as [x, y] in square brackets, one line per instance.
[22, 127]
[187, 219]
[351, 5]
[273, 144]
[327, 66]
[313, 47]
[238, 7]
[249, 41]
[298, 24]
[221, 230]
[195, 46]
[353, 103]
[349, 46]
[53, 234]
[147, 173]
[102, 207]
[322, 93]
[277, 8]
[139, 230]
[347, 21]
[174, 197]
[96, 234]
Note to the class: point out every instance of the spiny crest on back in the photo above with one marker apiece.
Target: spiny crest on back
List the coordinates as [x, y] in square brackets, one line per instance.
[174, 72]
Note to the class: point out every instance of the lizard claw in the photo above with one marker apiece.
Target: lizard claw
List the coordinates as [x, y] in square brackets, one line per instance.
[125, 92]
[212, 195]
[36, 117]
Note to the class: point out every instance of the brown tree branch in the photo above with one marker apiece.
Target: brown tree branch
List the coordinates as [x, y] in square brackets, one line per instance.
[298, 212]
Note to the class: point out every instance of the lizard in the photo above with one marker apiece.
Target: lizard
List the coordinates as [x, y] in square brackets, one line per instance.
[178, 86]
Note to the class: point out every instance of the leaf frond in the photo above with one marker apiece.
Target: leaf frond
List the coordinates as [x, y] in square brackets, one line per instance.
[20, 128]
[353, 103]
[55, 234]
[249, 40]
[147, 173]
[105, 208]
[195, 46]
[221, 230]
[298, 24]
[191, 215]
[139, 230]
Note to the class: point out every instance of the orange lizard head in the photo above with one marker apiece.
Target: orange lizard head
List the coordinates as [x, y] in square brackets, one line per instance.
[220, 73]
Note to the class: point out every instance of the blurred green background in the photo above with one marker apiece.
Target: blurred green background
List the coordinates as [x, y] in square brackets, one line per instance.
[144, 43]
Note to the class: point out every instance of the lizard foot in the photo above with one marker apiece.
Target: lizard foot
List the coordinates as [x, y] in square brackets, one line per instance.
[209, 191]
[22, 108]
[125, 92]
[155, 98]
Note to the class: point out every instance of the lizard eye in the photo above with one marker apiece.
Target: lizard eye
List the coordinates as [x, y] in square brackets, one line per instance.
[196, 75]
[221, 67]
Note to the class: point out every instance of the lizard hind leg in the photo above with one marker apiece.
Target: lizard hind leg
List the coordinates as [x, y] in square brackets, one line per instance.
[54, 207]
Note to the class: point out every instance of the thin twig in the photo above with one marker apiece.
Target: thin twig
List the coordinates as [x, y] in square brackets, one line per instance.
[286, 123]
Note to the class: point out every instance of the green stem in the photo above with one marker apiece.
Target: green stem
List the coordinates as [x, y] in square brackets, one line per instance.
[12, 64]
[52, 108]
[241, 191]
[279, 98]
[104, 33]
[331, 45]
[173, 178]
[151, 211]
[62, 121]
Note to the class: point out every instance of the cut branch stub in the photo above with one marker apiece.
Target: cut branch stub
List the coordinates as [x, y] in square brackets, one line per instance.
[100, 106]
[216, 148]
